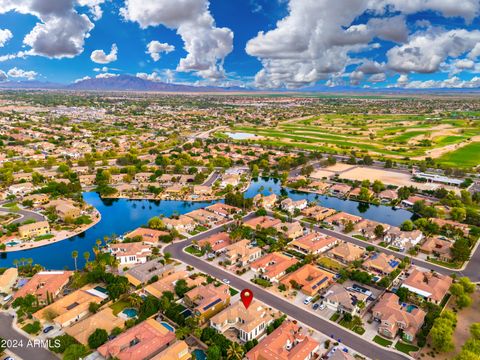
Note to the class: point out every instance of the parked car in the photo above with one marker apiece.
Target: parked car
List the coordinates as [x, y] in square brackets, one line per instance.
[322, 307]
[48, 329]
[315, 306]
[226, 281]
[308, 300]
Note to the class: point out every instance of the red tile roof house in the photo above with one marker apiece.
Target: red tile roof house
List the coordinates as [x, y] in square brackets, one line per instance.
[387, 196]
[402, 239]
[205, 218]
[287, 342]
[218, 242]
[340, 189]
[149, 236]
[262, 222]
[428, 285]
[314, 243]
[227, 211]
[394, 317]
[381, 263]
[142, 341]
[367, 228]
[130, 253]
[45, 285]
[341, 218]
[272, 266]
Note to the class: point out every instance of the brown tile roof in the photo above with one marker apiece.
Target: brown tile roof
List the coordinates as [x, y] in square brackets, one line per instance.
[273, 264]
[262, 221]
[427, 282]
[274, 346]
[347, 251]
[311, 278]
[313, 242]
[45, 282]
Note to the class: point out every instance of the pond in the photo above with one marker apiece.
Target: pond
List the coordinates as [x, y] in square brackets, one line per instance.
[121, 215]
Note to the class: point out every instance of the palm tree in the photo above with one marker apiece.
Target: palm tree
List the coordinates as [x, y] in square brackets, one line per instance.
[15, 262]
[235, 352]
[29, 261]
[135, 300]
[98, 242]
[86, 256]
[75, 256]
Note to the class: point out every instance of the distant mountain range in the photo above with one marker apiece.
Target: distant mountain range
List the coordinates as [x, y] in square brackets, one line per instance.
[116, 83]
[134, 83]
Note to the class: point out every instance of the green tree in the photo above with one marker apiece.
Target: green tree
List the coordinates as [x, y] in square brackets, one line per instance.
[235, 351]
[181, 288]
[475, 331]
[75, 352]
[214, 353]
[97, 338]
[75, 256]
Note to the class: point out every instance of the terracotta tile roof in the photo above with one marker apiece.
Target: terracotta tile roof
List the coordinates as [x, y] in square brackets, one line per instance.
[103, 319]
[311, 278]
[287, 342]
[429, 284]
[217, 241]
[382, 262]
[262, 221]
[313, 242]
[204, 296]
[148, 235]
[142, 341]
[45, 282]
[273, 264]
[347, 251]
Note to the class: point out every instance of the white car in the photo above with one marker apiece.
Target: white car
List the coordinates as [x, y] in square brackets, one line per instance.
[322, 307]
[308, 300]
[226, 281]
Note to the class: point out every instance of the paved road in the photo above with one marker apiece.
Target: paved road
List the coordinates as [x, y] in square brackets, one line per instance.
[27, 351]
[211, 179]
[26, 215]
[324, 326]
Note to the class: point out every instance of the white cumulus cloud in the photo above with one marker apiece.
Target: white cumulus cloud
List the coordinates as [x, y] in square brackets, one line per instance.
[206, 45]
[155, 48]
[5, 36]
[100, 57]
[61, 31]
[19, 73]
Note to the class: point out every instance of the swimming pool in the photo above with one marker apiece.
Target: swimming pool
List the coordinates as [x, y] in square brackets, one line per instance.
[12, 243]
[130, 312]
[167, 326]
[199, 354]
[101, 289]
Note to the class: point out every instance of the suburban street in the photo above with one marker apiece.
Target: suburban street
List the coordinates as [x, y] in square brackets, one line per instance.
[26, 215]
[23, 348]
[322, 325]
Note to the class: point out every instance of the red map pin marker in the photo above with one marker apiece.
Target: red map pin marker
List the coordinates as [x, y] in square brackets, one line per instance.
[247, 296]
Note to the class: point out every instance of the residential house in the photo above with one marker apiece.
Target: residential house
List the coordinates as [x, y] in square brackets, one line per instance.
[67, 211]
[367, 228]
[21, 188]
[230, 179]
[225, 210]
[355, 193]
[130, 253]
[183, 224]
[167, 283]
[143, 177]
[343, 300]
[431, 286]
[202, 190]
[464, 228]
[381, 263]
[32, 230]
[314, 243]
[205, 218]
[387, 196]
[439, 247]
[341, 218]
[291, 230]
[250, 323]
[142, 273]
[394, 316]
[216, 242]
[177, 351]
[143, 341]
[309, 278]
[287, 342]
[402, 239]
[346, 252]
[262, 222]
[87, 180]
[148, 236]
[290, 205]
[70, 308]
[207, 300]
[317, 212]
[242, 253]
[37, 199]
[266, 202]
[45, 285]
[341, 190]
[320, 186]
[104, 319]
[8, 280]
[272, 266]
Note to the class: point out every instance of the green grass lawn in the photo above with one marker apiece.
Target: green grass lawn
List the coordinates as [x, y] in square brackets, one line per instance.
[450, 265]
[330, 263]
[335, 317]
[466, 156]
[352, 326]
[381, 341]
[119, 306]
[194, 251]
[405, 348]
[32, 328]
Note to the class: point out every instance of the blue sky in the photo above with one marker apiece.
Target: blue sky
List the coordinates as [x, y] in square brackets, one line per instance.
[304, 43]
